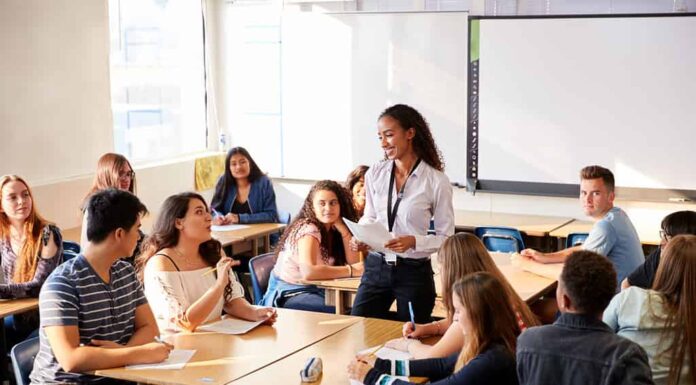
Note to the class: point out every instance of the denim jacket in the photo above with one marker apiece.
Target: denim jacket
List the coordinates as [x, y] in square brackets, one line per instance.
[261, 201]
[581, 350]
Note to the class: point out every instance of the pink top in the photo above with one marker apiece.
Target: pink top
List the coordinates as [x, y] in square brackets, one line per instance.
[287, 267]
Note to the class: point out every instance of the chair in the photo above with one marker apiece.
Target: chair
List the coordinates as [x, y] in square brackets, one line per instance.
[575, 239]
[23, 355]
[284, 217]
[73, 247]
[500, 239]
[260, 268]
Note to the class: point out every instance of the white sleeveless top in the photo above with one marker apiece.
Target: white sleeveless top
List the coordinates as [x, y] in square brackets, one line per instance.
[170, 293]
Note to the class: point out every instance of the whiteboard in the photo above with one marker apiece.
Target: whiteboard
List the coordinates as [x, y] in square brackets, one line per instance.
[557, 94]
[340, 71]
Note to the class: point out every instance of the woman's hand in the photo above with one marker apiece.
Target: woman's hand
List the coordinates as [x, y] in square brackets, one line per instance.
[342, 228]
[356, 245]
[401, 244]
[358, 368]
[231, 218]
[268, 314]
[409, 332]
[223, 270]
[219, 220]
[358, 269]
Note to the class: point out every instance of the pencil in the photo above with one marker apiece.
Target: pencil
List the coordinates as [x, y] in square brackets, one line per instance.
[375, 350]
[209, 271]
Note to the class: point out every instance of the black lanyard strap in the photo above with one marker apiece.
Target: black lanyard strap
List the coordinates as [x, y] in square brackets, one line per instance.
[391, 214]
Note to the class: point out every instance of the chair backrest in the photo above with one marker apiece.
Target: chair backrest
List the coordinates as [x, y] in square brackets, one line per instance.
[73, 247]
[260, 268]
[284, 217]
[23, 355]
[500, 239]
[575, 239]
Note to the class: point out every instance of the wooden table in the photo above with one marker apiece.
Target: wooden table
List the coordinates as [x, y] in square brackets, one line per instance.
[253, 232]
[7, 308]
[647, 232]
[222, 358]
[530, 285]
[533, 225]
[335, 351]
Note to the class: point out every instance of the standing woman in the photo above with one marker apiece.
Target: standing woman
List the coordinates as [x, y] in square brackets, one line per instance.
[243, 194]
[356, 185]
[404, 192]
[113, 171]
[30, 248]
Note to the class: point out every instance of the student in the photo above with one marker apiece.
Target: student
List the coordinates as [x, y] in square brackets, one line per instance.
[113, 171]
[489, 328]
[403, 193]
[30, 248]
[460, 255]
[663, 319]
[243, 194]
[612, 235]
[579, 348]
[93, 311]
[356, 185]
[176, 262]
[680, 222]
[314, 246]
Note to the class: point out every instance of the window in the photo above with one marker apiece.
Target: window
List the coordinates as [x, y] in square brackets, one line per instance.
[157, 78]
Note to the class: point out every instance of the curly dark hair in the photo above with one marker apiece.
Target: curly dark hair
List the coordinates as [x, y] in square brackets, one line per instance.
[227, 180]
[589, 280]
[423, 142]
[331, 240]
[165, 235]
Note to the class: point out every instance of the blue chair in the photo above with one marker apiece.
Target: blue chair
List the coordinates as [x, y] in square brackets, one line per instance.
[284, 217]
[73, 247]
[23, 355]
[260, 268]
[500, 239]
[575, 239]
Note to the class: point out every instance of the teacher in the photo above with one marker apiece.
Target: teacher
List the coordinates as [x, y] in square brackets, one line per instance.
[404, 192]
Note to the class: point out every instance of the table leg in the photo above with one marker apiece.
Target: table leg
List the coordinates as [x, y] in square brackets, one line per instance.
[4, 374]
[255, 246]
[339, 302]
[266, 243]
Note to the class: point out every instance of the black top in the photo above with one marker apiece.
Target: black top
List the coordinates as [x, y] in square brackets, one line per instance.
[644, 275]
[240, 208]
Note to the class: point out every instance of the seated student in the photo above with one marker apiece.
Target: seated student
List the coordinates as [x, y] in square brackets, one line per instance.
[680, 222]
[461, 254]
[176, 263]
[579, 348]
[489, 327]
[93, 311]
[30, 248]
[244, 194]
[314, 246]
[613, 234]
[113, 171]
[663, 319]
[355, 183]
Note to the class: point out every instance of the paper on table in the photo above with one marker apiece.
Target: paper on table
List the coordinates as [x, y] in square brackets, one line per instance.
[228, 227]
[372, 234]
[177, 360]
[548, 270]
[230, 326]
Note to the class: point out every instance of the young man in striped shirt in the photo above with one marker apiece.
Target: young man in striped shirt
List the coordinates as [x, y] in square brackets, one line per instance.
[93, 311]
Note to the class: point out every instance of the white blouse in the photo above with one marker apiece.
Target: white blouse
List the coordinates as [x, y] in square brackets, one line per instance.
[170, 293]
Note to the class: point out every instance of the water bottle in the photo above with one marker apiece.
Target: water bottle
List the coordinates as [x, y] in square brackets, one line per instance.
[222, 142]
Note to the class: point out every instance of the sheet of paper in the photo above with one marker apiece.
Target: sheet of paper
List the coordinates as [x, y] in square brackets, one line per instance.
[388, 353]
[373, 234]
[177, 360]
[230, 326]
[228, 227]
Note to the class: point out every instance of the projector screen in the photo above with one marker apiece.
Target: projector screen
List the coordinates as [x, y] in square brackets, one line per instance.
[550, 95]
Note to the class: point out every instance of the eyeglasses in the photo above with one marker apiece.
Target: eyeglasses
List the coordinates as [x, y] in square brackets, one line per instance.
[664, 236]
[128, 174]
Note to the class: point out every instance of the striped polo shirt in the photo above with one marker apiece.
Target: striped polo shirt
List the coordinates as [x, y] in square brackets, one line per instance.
[74, 294]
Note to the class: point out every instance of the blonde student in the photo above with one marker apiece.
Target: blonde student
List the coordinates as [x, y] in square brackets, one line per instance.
[460, 255]
[490, 328]
[176, 267]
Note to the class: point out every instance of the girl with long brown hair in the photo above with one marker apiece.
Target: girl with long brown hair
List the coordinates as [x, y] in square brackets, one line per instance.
[489, 324]
[175, 268]
[30, 247]
[460, 255]
[113, 171]
[355, 183]
[662, 320]
[314, 246]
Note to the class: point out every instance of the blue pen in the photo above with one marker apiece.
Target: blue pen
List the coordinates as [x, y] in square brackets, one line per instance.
[413, 318]
[216, 213]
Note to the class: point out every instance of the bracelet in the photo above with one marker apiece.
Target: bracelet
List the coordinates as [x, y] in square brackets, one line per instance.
[350, 270]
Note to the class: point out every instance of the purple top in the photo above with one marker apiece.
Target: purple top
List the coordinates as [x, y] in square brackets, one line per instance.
[9, 289]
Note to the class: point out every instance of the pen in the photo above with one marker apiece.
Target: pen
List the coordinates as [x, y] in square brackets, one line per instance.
[216, 213]
[413, 318]
[160, 340]
[372, 353]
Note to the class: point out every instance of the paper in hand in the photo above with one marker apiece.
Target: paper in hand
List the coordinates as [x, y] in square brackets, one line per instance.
[372, 234]
[177, 360]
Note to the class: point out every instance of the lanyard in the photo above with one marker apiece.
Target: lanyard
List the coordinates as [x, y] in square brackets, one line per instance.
[391, 214]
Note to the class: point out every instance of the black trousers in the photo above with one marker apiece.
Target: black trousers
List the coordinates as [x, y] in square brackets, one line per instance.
[382, 283]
